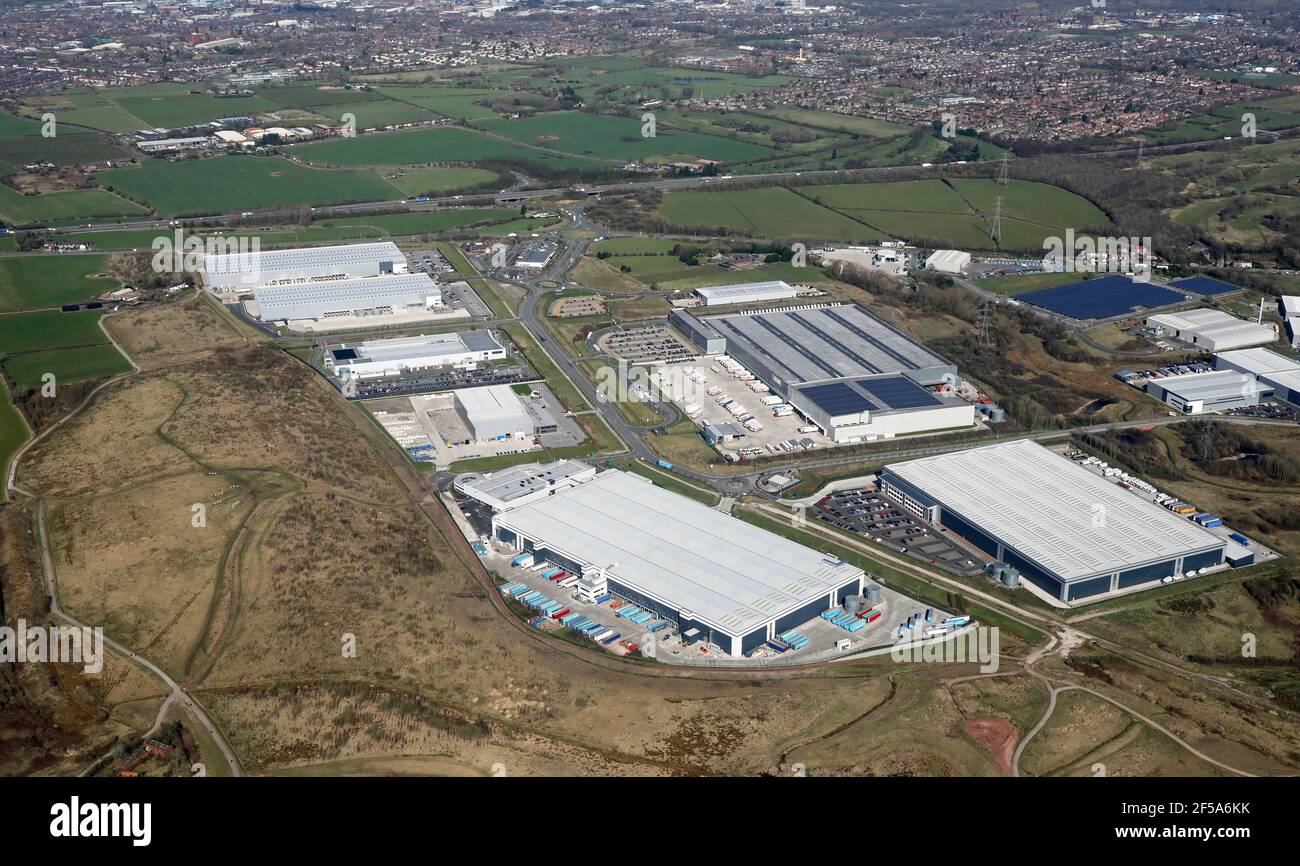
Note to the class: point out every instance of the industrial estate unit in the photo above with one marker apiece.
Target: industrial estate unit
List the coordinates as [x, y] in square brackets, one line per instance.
[845, 370]
[396, 356]
[1212, 330]
[715, 576]
[242, 271]
[1066, 530]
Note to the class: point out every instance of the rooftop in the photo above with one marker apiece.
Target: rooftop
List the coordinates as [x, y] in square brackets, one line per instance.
[878, 394]
[1207, 386]
[723, 294]
[301, 300]
[256, 267]
[1258, 361]
[519, 482]
[422, 346]
[828, 342]
[1067, 519]
[724, 570]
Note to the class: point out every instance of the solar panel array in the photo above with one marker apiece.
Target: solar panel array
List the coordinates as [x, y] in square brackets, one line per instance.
[838, 398]
[1101, 297]
[1206, 285]
[898, 392]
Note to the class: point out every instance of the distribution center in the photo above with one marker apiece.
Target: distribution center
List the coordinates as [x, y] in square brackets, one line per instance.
[1068, 531]
[239, 271]
[716, 576]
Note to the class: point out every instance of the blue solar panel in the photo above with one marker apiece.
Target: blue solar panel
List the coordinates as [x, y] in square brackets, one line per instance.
[1101, 298]
[898, 392]
[1206, 285]
[837, 398]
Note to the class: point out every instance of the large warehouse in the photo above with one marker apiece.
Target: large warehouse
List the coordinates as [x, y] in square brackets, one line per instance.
[1067, 530]
[879, 406]
[496, 412]
[394, 356]
[733, 584]
[746, 293]
[520, 485]
[847, 371]
[1212, 330]
[367, 296]
[1281, 373]
[242, 272]
[1198, 393]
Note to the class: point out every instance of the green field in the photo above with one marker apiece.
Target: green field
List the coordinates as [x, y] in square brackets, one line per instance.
[63, 206]
[69, 365]
[49, 329]
[605, 137]
[13, 433]
[1014, 285]
[1225, 121]
[441, 181]
[372, 114]
[226, 184]
[33, 282]
[864, 126]
[773, 212]
[173, 105]
[457, 102]
[430, 145]
[941, 213]
[634, 246]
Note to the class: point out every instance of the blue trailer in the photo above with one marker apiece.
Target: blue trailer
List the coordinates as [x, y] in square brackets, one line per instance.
[1239, 538]
[643, 617]
[660, 626]
[578, 623]
[609, 640]
[604, 598]
[629, 611]
[664, 464]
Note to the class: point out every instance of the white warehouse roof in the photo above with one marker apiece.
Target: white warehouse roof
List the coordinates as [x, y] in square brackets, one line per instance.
[1213, 329]
[312, 300]
[726, 572]
[739, 293]
[948, 261]
[1048, 508]
[1259, 362]
[238, 270]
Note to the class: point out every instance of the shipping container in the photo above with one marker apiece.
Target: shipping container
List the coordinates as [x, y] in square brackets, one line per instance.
[875, 616]
[1239, 538]
[522, 560]
[602, 634]
[571, 580]
[560, 614]
[609, 640]
[604, 598]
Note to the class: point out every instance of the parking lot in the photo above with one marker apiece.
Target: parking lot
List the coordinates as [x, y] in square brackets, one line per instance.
[646, 345]
[779, 435]
[867, 513]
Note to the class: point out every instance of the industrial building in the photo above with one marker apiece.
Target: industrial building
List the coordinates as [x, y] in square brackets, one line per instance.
[1212, 330]
[535, 256]
[948, 261]
[242, 272]
[521, 485]
[1198, 393]
[496, 412]
[1068, 531]
[720, 579]
[746, 293]
[1281, 373]
[849, 372]
[366, 296]
[879, 406]
[1289, 307]
[395, 356]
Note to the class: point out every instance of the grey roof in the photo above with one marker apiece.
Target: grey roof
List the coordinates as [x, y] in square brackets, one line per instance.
[245, 270]
[515, 482]
[738, 292]
[423, 346]
[311, 300]
[1257, 361]
[1211, 386]
[726, 572]
[827, 342]
[1070, 521]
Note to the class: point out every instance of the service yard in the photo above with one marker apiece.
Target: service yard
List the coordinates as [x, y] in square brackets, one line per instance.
[676, 383]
